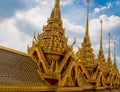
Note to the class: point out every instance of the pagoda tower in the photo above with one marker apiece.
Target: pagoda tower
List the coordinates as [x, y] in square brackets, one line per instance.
[101, 53]
[55, 42]
[115, 78]
[109, 66]
[50, 50]
[85, 53]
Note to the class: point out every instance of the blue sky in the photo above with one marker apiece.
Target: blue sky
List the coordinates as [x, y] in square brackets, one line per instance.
[20, 18]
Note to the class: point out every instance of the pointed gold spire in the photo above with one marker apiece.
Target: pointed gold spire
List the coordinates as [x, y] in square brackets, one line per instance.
[87, 20]
[86, 37]
[114, 54]
[101, 35]
[101, 54]
[86, 52]
[57, 3]
[56, 10]
[109, 57]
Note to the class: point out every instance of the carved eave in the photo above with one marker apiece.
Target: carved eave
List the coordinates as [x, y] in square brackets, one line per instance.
[101, 80]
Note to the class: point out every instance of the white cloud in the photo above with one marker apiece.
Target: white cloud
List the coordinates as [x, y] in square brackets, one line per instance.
[64, 2]
[10, 36]
[72, 27]
[15, 32]
[110, 24]
[13, 37]
[45, 2]
[97, 10]
[49, 3]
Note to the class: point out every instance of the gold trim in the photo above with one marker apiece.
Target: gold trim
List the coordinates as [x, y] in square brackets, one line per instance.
[51, 88]
[25, 88]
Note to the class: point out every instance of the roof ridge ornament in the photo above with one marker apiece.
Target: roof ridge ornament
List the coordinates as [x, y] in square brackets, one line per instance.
[109, 56]
[114, 53]
[101, 34]
[56, 10]
[101, 54]
[87, 20]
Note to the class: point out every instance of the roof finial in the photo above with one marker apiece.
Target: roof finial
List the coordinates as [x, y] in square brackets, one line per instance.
[87, 19]
[101, 54]
[114, 53]
[101, 35]
[88, 1]
[56, 10]
[109, 57]
[57, 3]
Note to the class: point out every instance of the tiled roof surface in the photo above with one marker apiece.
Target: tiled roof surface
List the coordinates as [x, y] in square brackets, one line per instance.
[18, 70]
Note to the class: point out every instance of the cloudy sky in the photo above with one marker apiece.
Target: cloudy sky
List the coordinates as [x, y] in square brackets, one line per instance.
[20, 18]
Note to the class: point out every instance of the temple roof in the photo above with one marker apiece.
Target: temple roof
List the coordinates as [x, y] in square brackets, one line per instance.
[51, 64]
[18, 69]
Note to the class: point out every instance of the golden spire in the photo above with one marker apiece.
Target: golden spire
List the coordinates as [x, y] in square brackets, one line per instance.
[101, 35]
[86, 52]
[114, 53]
[56, 10]
[101, 54]
[87, 20]
[86, 37]
[57, 2]
[109, 57]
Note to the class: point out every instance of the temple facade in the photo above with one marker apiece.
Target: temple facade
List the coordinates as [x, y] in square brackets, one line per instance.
[51, 64]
